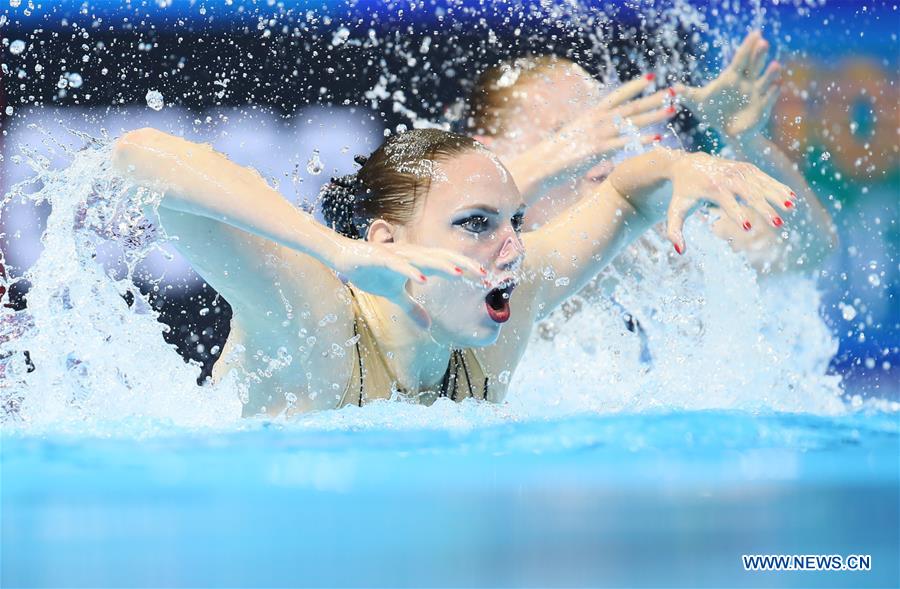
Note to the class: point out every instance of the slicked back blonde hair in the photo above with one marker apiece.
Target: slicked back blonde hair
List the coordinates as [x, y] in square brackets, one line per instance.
[498, 90]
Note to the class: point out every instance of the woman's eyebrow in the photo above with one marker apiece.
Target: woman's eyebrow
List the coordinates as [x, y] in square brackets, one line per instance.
[485, 208]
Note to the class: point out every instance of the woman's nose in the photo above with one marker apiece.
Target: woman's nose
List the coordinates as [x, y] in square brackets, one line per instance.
[512, 251]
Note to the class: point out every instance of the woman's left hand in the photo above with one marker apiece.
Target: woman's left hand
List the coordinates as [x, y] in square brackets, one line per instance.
[735, 187]
[739, 102]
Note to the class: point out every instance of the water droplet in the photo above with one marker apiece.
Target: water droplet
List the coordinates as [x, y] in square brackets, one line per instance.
[340, 37]
[848, 312]
[17, 47]
[874, 280]
[75, 80]
[15, 3]
[315, 166]
[155, 100]
[503, 377]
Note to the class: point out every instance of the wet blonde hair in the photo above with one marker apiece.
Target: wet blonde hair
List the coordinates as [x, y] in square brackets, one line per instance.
[498, 90]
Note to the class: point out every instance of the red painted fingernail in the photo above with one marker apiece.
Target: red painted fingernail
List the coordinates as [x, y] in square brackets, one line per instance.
[457, 269]
[678, 249]
[670, 110]
[788, 204]
[747, 226]
[793, 194]
[483, 271]
[650, 77]
[422, 278]
[672, 92]
[657, 137]
[777, 221]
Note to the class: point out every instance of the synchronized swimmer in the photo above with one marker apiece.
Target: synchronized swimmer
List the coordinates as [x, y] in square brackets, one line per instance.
[425, 266]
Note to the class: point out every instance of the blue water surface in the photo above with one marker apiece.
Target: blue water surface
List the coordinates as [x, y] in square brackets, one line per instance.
[665, 499]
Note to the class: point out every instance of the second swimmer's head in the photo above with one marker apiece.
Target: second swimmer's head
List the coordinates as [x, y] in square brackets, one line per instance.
[518, 102]
[436, 189]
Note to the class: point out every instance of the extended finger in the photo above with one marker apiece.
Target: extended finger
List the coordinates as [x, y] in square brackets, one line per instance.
[403, 267]
[762, 206]
[432, 265]
[741, 60]
[758, 61]
[771, 76]
[622, 141]
[679, 209]
[642, 105]
[470, 268]
[764, 194]
[727, 201]
[441, 261]
[778, 194]
[660, 116]
[627, 91]
[769, 99]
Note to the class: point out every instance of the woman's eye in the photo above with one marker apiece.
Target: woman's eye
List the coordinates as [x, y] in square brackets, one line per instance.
[475, 223]
[518, 222]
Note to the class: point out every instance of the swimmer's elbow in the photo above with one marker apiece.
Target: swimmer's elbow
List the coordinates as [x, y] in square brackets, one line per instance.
[144, 137]
[124, 148]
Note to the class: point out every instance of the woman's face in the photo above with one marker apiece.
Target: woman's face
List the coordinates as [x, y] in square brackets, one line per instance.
[473, 208]
[543, 105]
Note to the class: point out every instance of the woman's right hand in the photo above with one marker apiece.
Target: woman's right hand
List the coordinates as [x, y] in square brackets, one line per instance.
[612, 125]
[384, 269]
[619, 119]
[697, 179]
[734, 187]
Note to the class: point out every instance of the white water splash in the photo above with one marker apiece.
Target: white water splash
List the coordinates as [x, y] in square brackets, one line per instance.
[95, 359]
[715, 338]
[712, 337]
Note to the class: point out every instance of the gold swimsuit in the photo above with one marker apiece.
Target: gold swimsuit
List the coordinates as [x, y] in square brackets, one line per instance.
[372, 377]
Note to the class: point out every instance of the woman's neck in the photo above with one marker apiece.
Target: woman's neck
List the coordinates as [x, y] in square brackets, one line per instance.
[416, 360]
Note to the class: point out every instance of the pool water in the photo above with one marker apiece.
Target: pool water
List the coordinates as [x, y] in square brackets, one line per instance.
[649, 499]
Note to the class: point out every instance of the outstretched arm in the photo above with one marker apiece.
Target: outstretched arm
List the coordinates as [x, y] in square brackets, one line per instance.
[205, 185]
[662, 184]
[739, 104]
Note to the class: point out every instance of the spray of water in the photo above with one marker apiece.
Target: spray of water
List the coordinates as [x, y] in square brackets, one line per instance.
[705, 332]
[709, 335]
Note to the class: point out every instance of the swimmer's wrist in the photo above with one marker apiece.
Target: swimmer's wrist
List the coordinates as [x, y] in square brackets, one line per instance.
[639, 179]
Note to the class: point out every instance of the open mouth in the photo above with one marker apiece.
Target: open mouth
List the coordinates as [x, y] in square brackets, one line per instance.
[497, 302]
